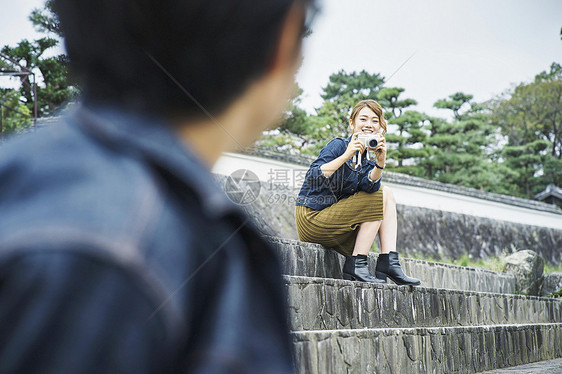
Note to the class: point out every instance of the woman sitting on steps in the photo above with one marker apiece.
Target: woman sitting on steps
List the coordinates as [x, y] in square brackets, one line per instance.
[341, 204]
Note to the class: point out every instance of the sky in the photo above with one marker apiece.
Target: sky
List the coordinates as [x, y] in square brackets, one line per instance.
[480, 47]
[431, 48]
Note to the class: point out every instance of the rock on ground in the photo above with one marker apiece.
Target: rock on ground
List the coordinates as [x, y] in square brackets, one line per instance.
[528, 269]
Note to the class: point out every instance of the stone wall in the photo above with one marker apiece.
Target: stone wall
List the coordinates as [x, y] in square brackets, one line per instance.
[463, 349]
[442, 234]
[329, 304]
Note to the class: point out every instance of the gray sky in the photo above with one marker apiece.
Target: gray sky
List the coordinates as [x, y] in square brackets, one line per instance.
[14, 25]
[480, 47]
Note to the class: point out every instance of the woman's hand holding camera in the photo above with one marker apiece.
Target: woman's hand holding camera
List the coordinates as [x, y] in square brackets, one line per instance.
[355, 145]
[380, 152]
[380, 159]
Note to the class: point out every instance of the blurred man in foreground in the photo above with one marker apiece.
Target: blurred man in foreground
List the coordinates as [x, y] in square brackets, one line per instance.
[118, 252]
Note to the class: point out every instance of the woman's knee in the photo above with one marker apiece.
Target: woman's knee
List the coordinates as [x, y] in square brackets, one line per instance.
[388, 196]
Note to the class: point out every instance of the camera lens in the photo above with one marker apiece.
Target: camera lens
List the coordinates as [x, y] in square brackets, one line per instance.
[373, 143]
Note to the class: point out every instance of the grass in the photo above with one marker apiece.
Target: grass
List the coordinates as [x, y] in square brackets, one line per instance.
[552, 269]
[557, 294]
[492, 263]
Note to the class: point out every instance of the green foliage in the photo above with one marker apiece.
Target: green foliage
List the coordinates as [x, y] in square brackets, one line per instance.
[455, 102]
[530, 117]
[548, 268]
[341, 94]
[389, 98]
[405, 145]
[295, 120]
[46, 20]
[511, 145]
[342, 84]
[461, 151]
[525, 161]
[552, 171]
[298, 132]
[493, 263]
[14, 115]
[52, 77]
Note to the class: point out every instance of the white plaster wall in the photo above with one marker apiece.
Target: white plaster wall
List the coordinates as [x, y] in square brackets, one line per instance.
[291, 175]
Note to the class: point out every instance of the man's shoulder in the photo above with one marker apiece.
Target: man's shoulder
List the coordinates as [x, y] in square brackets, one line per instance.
[67, 189]
[65, 169]
[71, 196]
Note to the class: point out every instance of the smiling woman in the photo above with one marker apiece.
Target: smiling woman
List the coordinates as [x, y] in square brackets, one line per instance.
[342, 205]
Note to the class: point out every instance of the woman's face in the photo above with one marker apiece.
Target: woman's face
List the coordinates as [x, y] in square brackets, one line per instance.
[366, 122]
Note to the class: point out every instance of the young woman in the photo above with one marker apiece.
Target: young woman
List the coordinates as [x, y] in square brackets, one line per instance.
[341, 204]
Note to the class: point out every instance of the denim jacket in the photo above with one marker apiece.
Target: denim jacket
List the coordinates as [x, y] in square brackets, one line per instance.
[120, 254]
[319, 192]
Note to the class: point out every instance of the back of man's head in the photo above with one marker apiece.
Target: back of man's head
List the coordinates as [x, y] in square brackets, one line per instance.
[170, 57]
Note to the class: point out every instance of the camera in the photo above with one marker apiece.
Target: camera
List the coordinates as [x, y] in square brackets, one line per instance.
[371, 140]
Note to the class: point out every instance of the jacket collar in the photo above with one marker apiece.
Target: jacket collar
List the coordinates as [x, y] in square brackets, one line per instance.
[153, 140]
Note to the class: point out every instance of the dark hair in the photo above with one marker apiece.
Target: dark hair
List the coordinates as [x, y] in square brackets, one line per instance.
[170, 57]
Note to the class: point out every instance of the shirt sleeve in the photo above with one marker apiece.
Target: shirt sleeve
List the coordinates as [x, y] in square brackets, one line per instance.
[332, 150]
[365, 184]
[69, 313]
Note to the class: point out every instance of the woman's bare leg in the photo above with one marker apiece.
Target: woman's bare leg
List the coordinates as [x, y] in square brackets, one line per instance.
[389, 225]
[365, 237]
[387, 228]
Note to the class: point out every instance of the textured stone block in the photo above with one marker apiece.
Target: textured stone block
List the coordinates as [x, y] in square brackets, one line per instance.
[528, 268]
[429, 350]
[317, 303]
[551, 283]
[313, 260]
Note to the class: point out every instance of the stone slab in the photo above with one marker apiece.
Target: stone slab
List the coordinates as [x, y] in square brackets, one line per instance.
[313, 260]
[541, 367]
[327, 304]
[425, 350]
[551, 283]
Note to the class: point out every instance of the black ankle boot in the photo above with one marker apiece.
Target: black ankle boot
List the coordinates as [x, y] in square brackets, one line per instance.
[356, 268]
[389, 266]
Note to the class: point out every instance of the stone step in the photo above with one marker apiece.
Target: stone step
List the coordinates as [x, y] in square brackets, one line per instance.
[326, 304]
[313, 260]
[540, 367]
[465, 349]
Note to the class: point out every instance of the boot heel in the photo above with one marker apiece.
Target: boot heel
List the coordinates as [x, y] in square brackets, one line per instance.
[348, 277]
[380, 275]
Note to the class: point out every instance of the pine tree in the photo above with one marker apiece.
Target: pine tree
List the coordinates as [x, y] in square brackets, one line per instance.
[341, 94]
[405, 140]
[462, 149]
[52, 76]
[530, 116]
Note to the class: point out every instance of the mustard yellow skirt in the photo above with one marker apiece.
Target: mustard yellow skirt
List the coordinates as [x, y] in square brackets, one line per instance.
[337, 225]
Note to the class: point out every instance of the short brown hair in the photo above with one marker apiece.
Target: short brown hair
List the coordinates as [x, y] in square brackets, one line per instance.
[374, 106]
